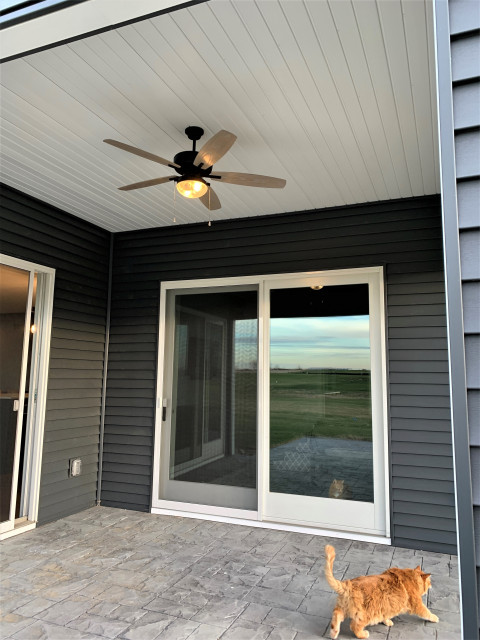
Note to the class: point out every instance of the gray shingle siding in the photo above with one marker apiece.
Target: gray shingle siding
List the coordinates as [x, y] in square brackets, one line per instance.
[34, 231]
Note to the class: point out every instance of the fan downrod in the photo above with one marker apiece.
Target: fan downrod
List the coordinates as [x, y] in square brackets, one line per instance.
[194, 134]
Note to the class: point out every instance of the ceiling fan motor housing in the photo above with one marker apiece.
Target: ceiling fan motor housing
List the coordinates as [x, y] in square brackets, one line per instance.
[186, 168]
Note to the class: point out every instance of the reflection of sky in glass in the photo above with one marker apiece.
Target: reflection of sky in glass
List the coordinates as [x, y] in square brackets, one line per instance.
[340, 342]
[246, 341]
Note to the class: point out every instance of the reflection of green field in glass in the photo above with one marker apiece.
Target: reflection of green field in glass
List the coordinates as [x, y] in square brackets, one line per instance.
[333, 404]
[245, 411]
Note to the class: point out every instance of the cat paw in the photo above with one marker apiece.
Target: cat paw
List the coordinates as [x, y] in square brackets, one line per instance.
[388, 623]
[434, 618]
[359, 631]
[334, 634]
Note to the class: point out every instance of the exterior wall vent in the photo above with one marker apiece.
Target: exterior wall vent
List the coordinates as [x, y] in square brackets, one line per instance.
[75, 467]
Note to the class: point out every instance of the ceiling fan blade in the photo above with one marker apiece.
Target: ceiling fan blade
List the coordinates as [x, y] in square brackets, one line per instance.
[216, 147]
[250, 180]
[141, 153]
[210, 200]
[145, 183]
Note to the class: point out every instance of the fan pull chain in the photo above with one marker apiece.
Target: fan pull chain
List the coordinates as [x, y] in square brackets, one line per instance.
[174, 202]
[209, 192]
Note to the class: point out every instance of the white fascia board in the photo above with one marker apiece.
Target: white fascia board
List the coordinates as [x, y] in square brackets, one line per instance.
[75, 21]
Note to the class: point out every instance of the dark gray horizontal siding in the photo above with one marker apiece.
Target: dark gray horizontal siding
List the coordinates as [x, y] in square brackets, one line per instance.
[421, 451]
[78, 251]
[128, 444]
[59, 507]
[403, 235]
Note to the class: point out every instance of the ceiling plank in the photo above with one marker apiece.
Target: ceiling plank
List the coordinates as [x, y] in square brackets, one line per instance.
[391, 20]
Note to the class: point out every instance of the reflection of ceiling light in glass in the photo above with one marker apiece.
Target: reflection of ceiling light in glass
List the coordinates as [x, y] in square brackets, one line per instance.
[195, 188]
[33, 328]
[316, 287]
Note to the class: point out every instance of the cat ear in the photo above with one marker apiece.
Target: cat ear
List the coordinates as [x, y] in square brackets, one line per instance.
[426, 575]
[419, 568]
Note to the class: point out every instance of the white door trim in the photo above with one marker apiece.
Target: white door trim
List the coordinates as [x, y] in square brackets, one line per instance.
[370, 274]
[21, 398]
[44, 304]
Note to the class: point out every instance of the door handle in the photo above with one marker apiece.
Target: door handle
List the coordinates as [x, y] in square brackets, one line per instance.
[16, 405]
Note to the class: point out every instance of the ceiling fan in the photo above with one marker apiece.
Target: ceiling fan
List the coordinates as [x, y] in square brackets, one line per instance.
[194, 167]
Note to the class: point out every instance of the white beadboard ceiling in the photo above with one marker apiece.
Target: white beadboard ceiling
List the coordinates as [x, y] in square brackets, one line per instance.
[335, 96]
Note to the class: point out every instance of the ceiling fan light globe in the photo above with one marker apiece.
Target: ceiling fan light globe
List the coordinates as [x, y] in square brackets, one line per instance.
[192, 188]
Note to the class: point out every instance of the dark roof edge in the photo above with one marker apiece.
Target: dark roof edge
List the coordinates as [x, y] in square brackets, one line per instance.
[110, 27]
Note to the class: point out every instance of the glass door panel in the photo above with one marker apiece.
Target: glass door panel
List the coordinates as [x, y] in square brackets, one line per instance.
[321, 453]
[210, 433]
[320, 405]
[15, 304]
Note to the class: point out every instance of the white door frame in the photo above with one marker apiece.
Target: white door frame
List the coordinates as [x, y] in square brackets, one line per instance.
[260, 517]
[38, 394]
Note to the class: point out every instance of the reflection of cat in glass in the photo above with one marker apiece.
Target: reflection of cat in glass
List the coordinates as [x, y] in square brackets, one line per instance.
[339, 490]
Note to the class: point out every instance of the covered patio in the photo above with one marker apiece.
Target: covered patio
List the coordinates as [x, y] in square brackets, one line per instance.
[132, 399]
[113, 573]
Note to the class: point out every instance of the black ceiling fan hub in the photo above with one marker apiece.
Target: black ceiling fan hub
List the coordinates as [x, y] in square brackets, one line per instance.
[185, 159]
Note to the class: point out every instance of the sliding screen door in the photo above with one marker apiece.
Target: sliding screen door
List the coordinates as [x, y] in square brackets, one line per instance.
[209, 450]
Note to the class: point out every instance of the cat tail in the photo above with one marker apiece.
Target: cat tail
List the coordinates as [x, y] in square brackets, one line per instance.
[336, 585]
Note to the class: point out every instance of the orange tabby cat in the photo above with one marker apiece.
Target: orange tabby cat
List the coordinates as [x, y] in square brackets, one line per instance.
[373, 599]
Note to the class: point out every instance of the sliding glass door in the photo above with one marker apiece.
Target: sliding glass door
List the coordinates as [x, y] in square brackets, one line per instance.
[274, 398]
[321, 456]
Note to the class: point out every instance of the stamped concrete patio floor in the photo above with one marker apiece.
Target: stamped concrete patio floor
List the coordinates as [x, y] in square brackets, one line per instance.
[110, 573]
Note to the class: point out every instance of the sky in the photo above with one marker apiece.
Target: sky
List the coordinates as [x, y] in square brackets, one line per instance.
[7, 4]
[339, 342]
